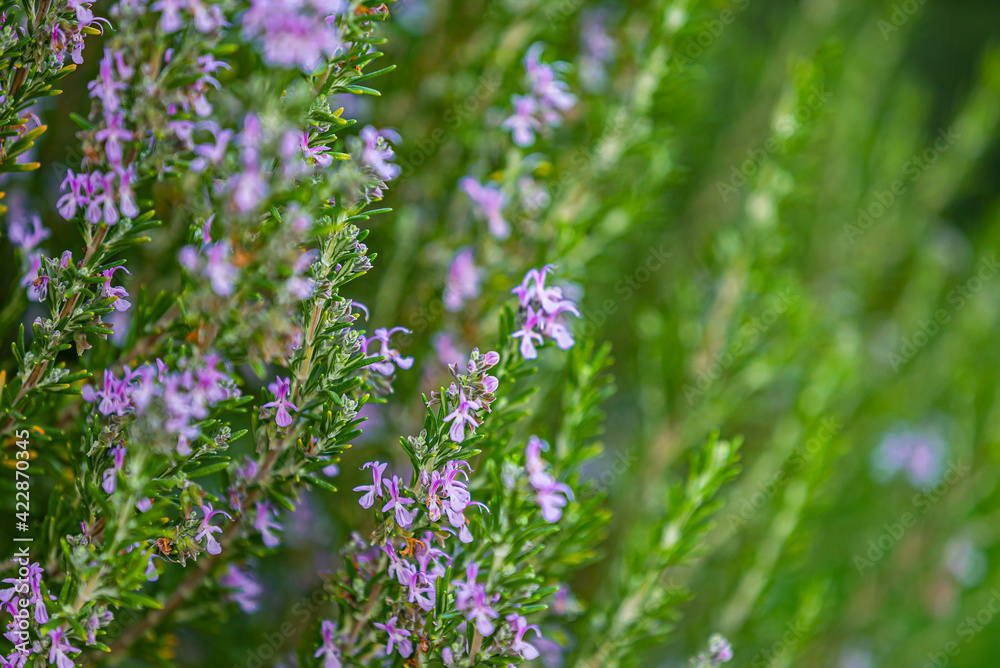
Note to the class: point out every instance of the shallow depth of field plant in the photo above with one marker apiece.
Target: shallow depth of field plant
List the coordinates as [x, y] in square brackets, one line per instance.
[564, 333]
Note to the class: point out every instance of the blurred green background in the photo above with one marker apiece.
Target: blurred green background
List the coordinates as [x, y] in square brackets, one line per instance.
[783, 216]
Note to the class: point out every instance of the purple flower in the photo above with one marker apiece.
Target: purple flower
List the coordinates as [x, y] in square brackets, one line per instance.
[170, 17]
[329, 650]
[447, 352]
[119, 293]
[918, 454]
[597, 50]
[552, 94]
[404, 518]
[264, 523]
[24, 238]
[295, 33]
[398, 568]
[420, 591]
[114, 398]
[463, 280]
[375, 489]
[391, 355]
[320, 154]
[462, 416]
[523, 124]
[376, 153]
[244, 589]
[34, 580]
[34, 281]
[112, 135]
[719, 649]
[249, 187]
[397, 636]
[455, 495]
[480, 612]
[209, 386]
[464, 591]
[106, 87]
[126, 196]
[280, 388]
[211, 154]
[220, 271]
[209, 65]
[94, 622]
[57, 653]
[206, 528]
[549, 493]
[298, 285]
[491, 202]
[68, 203]
[543, 310]
[529, 337]
[110, 477]
[519, 625]
[206, 19]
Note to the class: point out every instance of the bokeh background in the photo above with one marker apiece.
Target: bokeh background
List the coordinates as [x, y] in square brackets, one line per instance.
[783, 215]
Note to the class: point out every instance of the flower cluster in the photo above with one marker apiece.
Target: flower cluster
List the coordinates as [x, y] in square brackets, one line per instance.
[281, 388]
[171, 401]
[391, 358]
[447, 494]
[212, 261]
[26, 592]
[329, 650]
[173, 14]
[66, 36]
[206, 528]
[104, 197]
[919, 454]
[546, 102]
[472, 392]
[550, 495]
[542, 309]
[265, 524]
[295, 33]
[719, 652]
[375, 154]
[244, 588]
[27, 238]
[597, 50]
[28, 585]
[463, 280]
[490, 201]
